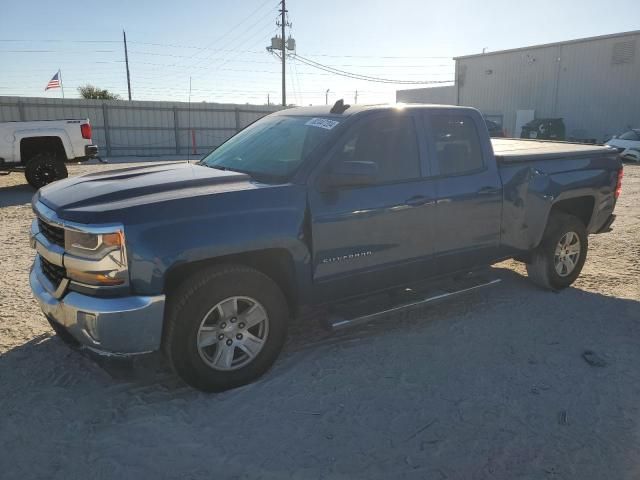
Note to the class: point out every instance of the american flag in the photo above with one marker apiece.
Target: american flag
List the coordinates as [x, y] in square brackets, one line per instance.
[54, 82]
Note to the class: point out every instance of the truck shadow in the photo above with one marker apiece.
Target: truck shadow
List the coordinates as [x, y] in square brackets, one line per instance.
[14, 195]
[507, 305]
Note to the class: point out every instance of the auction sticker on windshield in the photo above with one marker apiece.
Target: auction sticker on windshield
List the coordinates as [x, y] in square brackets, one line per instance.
[322, 123]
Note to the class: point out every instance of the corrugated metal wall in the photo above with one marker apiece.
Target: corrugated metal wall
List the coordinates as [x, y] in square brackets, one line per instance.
[438, 95]
[592, 84]
[142, 128]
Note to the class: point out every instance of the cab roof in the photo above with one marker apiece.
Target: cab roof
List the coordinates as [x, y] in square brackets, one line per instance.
[325, 110]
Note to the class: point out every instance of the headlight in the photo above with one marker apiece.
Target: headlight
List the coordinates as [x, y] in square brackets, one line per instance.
[92, 245]
[97, 259]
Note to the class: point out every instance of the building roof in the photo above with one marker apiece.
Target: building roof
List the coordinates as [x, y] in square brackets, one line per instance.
[554, 44]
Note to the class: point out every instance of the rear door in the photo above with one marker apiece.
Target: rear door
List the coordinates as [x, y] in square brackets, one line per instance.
[468, 190]
[371, 237]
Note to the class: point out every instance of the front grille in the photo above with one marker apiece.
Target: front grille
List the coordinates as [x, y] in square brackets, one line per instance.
[51, 232]
[54, 273]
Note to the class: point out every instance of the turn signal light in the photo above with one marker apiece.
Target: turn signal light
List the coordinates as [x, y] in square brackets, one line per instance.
[94, 278]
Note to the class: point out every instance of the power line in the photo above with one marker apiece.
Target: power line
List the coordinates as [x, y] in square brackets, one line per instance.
[31, 40]
[199, 47]
[262, 5]
[367, 78]
[58, 51]
[369, 56]
[260, 33]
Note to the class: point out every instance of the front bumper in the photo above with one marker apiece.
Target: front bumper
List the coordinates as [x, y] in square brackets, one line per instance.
[110, 326]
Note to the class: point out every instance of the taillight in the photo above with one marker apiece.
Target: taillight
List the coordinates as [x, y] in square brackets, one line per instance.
[619, 184]
[85, 129]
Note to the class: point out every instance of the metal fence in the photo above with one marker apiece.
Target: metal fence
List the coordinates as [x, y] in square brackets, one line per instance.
[122, 128]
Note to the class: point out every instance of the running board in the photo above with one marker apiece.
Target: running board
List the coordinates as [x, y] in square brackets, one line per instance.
[349, 315]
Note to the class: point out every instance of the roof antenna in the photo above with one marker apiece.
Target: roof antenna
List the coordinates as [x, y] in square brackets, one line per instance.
[339, 107]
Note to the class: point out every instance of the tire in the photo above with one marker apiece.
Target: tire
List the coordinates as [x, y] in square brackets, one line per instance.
[196, 315]
[43, 169]
[546, 269]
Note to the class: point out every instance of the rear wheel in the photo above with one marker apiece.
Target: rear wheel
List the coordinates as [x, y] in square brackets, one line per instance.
[557, 262]
[43, 169]
[225, 327]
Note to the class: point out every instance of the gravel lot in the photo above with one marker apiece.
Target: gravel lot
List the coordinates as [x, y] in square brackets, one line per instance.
[491, 385]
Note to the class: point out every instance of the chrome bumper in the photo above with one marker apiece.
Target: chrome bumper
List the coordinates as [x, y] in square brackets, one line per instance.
[111, 326]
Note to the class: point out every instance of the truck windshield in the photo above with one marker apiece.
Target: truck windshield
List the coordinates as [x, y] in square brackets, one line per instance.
[273, 147]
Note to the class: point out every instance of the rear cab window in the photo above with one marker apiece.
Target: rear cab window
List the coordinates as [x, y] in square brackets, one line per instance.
[457, 143]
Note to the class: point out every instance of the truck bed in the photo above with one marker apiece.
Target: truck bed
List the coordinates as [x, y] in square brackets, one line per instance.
[518, 150]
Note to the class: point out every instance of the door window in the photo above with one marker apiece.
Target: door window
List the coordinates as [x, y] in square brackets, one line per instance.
[390, 142]
[457, 144]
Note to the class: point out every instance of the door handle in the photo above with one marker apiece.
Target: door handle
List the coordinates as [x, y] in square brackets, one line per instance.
[487, 191]
[419, 200]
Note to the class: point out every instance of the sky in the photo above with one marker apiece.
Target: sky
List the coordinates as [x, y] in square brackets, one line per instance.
[220, 44]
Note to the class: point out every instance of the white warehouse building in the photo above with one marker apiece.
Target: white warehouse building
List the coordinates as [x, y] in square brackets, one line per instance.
[593, 84]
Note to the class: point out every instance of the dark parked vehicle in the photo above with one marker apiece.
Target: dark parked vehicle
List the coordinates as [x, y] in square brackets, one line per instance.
[626, 140]
[544, 129]
[352, 208]
[495, 129]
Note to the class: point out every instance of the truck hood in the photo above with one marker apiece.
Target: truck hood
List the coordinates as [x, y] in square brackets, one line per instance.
[87, 198]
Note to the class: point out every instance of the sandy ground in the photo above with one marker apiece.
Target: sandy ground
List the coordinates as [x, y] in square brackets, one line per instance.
[492, 385]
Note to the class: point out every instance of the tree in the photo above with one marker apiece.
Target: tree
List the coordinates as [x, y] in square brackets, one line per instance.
[90, 92]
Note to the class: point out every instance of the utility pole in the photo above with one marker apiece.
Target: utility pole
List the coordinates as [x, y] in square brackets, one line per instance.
[268, 100]
[283, 45]
[355, 100]
[283, 12]
[126, 61]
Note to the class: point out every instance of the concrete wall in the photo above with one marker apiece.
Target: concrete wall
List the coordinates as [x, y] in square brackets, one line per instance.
[591, 83]
[439, 95]
[141, 128]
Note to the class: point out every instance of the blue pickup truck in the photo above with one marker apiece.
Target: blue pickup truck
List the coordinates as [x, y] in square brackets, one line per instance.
[335, 207]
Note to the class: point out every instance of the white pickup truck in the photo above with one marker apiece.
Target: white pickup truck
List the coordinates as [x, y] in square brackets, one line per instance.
[41, 148]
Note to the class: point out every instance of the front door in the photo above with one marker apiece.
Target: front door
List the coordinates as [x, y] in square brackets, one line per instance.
[375, 236]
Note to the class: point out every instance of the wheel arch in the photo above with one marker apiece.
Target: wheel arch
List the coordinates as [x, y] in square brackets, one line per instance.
[579, 204]
[32, 146]
[275, 263]
[581, 207]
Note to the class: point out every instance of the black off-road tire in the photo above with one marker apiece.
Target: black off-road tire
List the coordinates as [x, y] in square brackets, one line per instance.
[541, 267]
[43, 169]
[189, 303]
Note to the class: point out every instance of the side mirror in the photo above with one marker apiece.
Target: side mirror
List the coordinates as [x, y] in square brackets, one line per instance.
[350, 174]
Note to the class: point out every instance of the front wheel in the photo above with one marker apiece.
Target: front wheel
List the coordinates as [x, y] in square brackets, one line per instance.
[43, 169]
[225, 327]
[558, 260]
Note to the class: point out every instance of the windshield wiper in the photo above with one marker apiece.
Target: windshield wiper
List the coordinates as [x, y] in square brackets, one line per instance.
[258, 177]
[227, 169]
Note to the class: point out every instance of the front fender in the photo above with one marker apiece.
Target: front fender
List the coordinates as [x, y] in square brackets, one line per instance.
[155, 248]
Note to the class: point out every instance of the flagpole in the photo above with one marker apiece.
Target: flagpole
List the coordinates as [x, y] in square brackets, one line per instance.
[61, 85]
